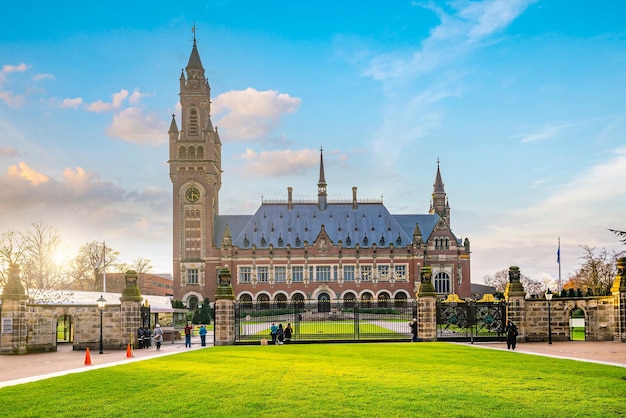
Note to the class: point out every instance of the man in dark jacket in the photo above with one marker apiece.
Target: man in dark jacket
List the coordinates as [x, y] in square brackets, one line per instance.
[511, 335]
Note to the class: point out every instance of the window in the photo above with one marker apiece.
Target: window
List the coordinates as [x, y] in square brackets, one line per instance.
[322, 274]
[297, 274]
[193, 122]
[262, 274]
[366, 273]
[442, 282]
[245, 274]
[192, 276]
[383, 272]
[280, 274]
[400, 273]
[348, 273]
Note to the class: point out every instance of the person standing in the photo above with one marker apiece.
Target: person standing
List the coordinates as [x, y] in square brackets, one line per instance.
[188, 330]
[202, 335]
[511, 335]
[280, 334]
[146, 337]
[140, 336]
[288, 332]
[413, 325]
[273, 331]
[158, 336]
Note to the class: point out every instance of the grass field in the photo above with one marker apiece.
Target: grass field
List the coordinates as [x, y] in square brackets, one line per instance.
[331, 380]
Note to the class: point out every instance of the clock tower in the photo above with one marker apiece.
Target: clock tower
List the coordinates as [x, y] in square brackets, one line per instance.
[196, 175]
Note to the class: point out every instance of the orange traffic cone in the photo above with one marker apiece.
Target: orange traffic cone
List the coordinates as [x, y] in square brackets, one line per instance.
[129, 353]
[87, 357]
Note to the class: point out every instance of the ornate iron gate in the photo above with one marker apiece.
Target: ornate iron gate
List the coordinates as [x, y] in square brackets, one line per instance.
[470, 320]
[327, 320]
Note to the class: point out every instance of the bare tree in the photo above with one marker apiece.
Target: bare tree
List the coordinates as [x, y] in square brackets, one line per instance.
[620, 234]
[40, 269]
[141, 265]
[12, 251]
[597, 271]
[89, 264]
[501, 278]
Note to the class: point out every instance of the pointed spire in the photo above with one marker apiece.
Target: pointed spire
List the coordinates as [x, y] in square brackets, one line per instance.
[227, 238]
[322, 180]
[321, 184]
[173, 126]
[438, 185]
[194, 59]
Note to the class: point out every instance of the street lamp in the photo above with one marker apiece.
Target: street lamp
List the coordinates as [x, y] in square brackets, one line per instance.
[101, 302]
[549, 298]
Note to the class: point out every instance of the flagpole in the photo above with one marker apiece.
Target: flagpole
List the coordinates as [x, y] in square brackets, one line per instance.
[559, 263]
[104, 269]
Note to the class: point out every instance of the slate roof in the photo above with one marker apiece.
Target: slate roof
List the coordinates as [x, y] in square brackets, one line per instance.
[369, 223]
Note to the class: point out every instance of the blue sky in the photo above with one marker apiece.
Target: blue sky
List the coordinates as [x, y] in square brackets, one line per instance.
[523, 103]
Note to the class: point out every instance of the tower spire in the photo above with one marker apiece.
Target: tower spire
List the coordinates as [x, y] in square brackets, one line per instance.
[321, 183]
[439, 203]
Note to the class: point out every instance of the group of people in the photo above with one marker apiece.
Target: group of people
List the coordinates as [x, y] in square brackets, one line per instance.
[189, 331]
[281, 335]
[144, 337]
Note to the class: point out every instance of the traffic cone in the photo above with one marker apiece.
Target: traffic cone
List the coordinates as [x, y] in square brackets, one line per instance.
[87, 357]
[129, 353]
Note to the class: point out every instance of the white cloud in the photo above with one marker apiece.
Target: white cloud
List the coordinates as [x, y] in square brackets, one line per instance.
[116, 102]
[8, 152]
[7, 68]
[24, 172]
[133, 125]
[38, 77]
[251, 114]
[71, 103]
[278, 163]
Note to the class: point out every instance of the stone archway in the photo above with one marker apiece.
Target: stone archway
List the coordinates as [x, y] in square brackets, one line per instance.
[577, 325]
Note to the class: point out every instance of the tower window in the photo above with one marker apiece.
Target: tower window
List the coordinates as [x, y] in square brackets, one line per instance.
[193, 122]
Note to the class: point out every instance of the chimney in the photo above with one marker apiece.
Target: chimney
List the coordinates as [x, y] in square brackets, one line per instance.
[354, 205]
[289, 198]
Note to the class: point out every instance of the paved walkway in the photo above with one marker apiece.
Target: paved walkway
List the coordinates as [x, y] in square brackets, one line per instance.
[31, 367]
[604, 352]
[17, 369]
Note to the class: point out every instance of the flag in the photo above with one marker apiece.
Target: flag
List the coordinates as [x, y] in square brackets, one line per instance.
[558, 254]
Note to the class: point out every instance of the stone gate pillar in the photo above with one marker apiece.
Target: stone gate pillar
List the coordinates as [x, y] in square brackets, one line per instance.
[515, 297]
[130, 314]
[224, 310]
[426, 307]
[618, 290]
[14, 331]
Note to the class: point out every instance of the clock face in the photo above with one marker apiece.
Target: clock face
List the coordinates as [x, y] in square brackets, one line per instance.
[192, 194]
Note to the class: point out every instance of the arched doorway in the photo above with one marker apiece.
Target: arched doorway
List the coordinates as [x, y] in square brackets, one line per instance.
[192, 302]
[65, 329]
[577, 327]
[323, 302]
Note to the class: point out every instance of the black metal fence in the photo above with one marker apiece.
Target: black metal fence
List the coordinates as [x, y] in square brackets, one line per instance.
[471, 320]
[326, 320]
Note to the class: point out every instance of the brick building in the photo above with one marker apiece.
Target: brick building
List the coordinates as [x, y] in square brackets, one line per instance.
[293, 250]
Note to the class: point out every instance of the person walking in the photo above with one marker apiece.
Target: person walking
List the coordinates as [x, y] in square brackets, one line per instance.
[288, 332]
[146, 337]
[511, 335]
[158, 336]
[188, 330]
[273, 331]
[202, 335]
[413, 325]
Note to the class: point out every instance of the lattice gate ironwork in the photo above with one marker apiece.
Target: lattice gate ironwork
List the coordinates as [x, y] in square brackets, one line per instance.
[326, 320]
[460, 320]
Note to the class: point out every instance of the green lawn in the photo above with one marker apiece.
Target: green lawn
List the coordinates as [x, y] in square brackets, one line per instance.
[331, 380]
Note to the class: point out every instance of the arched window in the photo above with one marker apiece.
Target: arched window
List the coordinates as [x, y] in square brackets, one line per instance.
[442, 282]
[192, 302]
[349, 300]
[264, 301]
[383, 300]
[182, 152]
[366, 300]
[193, 122]
[323, 303]
[200, 153]
[281, 300]
[192, 153]
[400, 300]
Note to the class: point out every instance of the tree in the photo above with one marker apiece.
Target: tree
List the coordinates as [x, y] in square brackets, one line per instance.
[597, 271]
[40, 268]
[89, 265]
[620, 234]
[12, 250]
[501, 278]
[141, 265]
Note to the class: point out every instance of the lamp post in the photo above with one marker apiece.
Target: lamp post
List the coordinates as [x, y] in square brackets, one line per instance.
[549, 298]
[101, 302]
